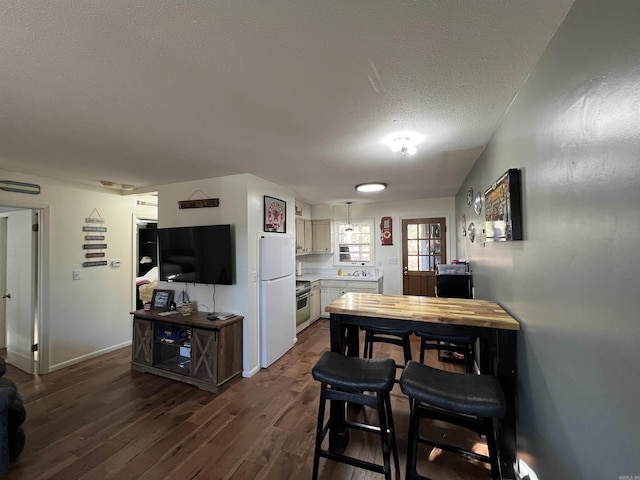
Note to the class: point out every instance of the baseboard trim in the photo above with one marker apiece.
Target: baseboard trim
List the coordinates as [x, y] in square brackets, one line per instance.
[88, 356]
[250, 373]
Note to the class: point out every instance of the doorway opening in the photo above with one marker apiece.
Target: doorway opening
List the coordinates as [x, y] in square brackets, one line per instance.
[21, 279]
[145, 255]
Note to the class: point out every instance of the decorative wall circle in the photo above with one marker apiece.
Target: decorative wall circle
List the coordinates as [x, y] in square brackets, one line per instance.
[477, 204]
[471, 232]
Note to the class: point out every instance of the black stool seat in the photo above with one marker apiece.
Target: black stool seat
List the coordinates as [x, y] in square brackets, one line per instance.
[365, 382]
[463, 393]
[355, 374]
[474, 402]
[387, 331]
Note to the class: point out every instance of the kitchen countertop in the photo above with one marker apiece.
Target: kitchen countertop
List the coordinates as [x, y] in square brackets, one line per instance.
[312, 277]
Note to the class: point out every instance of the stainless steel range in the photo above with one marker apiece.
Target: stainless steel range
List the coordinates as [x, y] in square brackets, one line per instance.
[303, 309]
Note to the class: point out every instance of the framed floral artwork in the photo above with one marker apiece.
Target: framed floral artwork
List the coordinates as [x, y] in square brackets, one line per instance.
[275, 215]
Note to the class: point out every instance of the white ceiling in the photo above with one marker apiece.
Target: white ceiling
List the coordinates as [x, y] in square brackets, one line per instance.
[301, 93]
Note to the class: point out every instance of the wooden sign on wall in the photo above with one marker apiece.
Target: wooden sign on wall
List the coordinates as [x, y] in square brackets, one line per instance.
[203, 203]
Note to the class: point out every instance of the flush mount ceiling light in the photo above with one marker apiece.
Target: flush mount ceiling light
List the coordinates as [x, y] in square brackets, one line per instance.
[110, 184]
[403, 142]
[348, 227]
[371, 187]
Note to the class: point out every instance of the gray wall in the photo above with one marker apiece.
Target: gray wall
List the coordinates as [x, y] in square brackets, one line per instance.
[573, 283]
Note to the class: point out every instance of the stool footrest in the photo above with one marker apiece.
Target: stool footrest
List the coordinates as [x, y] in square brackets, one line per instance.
[470, 423]
[453, 449]
[363, 427]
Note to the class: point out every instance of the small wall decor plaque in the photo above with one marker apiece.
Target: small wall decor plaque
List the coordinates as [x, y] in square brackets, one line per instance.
[94, 229]
[99, 263]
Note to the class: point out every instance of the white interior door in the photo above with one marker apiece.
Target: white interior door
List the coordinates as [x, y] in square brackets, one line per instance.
[3, 281]
[20, 289]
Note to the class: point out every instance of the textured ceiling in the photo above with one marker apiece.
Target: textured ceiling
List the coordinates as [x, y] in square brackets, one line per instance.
[297, 92]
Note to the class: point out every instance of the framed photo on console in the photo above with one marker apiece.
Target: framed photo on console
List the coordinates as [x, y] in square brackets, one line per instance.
[161, 299]
[275, 215]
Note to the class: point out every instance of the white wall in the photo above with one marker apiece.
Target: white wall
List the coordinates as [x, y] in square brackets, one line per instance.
[81, 318]
[241, 205]
[385, 255]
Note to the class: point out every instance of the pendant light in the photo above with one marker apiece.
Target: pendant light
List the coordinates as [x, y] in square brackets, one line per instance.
[348, 227]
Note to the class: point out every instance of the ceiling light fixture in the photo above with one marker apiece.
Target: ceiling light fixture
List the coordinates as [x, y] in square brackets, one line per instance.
[348, 227]
[371, 187]
[403, 142]
[117, 186]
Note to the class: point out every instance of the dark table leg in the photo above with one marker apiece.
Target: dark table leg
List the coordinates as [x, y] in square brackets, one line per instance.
[338, 433]
[507, 374]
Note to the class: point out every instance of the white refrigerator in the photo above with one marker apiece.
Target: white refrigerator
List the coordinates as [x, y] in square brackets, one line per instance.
[277, 297]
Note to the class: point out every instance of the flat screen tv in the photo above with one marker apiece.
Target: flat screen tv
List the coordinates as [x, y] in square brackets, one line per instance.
[196, 254]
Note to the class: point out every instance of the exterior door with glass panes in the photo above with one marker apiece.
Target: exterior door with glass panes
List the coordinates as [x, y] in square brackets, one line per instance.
[423, 247]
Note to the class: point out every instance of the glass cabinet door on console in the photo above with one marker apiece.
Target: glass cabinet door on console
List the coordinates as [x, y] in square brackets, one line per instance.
[172, 348]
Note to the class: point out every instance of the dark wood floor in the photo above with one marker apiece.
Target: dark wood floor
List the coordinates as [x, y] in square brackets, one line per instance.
[100, 420]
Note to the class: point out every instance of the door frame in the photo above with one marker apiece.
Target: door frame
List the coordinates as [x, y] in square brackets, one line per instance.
[135, 219]
[446, 238]
[42, 292]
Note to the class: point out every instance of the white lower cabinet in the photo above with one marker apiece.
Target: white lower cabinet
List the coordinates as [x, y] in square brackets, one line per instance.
[314, 301]
[333, 289]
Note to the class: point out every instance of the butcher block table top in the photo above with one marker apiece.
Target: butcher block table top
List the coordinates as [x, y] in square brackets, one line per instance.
[455, 311]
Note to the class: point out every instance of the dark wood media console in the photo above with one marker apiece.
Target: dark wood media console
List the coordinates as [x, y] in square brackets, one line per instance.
[190, 349]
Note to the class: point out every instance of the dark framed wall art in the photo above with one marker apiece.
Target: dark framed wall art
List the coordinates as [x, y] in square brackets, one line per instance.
[275, 215]
[503, 208]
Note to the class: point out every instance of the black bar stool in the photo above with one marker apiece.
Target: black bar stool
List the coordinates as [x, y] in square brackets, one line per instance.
[470, 401]
[364, 382]
[387, 335]
[461, 344]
